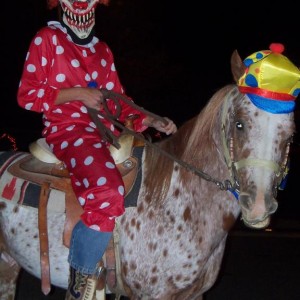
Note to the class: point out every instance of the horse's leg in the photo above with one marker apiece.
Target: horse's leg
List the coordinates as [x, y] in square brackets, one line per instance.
[9, 271]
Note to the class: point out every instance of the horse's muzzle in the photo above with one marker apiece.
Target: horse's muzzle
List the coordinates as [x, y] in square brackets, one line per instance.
[257, 214]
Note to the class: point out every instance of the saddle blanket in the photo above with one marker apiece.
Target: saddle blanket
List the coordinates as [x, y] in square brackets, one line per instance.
[24, 192]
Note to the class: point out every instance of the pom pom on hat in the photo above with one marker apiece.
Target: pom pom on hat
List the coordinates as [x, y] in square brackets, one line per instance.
[271, 80]
[276, 48]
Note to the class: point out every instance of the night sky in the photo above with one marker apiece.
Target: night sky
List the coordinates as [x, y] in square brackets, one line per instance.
[171, 56]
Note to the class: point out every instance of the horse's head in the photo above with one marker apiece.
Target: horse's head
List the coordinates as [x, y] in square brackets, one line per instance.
[262, 125]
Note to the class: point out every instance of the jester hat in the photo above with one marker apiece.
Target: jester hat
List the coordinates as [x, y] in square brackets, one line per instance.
[271, 80]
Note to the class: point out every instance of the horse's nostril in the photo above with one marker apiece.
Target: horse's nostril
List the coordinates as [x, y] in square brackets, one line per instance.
[273, 207]
[245, 201]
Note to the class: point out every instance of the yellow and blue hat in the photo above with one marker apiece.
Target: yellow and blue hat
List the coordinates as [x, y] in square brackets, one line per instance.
[271, 80]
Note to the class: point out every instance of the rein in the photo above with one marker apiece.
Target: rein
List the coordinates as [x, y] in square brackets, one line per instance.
[105, 132]
[112, 139]
[233, 166]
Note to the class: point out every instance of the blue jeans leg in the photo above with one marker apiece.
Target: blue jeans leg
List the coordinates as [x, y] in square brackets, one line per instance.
[87, 247]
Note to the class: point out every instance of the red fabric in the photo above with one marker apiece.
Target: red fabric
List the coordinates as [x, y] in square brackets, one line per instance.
[54, 62]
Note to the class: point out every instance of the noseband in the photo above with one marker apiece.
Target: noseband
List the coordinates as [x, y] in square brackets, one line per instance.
[233, 166]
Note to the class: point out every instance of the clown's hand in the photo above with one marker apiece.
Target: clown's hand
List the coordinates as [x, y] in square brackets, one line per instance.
[168, 127]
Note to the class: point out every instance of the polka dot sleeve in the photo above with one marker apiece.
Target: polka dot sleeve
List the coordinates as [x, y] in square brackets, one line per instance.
[35, 93]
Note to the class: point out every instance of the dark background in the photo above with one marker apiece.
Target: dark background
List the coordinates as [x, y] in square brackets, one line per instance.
[171, 57]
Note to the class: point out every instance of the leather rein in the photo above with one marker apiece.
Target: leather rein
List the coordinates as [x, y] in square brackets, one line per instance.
[231, 185]
[112, 139]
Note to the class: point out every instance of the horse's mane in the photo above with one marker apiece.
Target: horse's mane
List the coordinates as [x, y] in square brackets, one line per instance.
[184, 145]
[205, 124]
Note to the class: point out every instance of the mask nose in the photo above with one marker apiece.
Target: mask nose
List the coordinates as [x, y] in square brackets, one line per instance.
[80, 5]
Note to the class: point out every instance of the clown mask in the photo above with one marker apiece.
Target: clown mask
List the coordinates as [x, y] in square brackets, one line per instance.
[79, 16]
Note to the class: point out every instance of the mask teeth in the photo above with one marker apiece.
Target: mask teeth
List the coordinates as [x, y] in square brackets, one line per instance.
[83, 20]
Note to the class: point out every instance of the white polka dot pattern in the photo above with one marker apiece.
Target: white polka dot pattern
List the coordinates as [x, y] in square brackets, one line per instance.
[53, 62]
[101, 181]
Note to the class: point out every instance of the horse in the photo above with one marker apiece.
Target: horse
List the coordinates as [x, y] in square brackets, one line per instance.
[225, 163]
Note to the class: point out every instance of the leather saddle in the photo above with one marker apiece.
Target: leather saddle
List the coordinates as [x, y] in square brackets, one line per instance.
[44, 163]
[43, 168]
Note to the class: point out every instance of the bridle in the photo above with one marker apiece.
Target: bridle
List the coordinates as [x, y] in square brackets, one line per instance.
[280, 170]
[231, 184]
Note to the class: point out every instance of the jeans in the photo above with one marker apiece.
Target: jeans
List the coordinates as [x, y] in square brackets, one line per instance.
[87, 247]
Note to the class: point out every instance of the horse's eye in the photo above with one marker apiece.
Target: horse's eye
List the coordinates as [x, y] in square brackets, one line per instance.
[239, 125]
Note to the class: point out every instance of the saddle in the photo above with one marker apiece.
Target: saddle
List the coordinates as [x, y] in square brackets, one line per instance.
[43, 168]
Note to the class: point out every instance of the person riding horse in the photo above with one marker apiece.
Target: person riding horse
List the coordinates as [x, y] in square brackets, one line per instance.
[236, 148]
[65, 62]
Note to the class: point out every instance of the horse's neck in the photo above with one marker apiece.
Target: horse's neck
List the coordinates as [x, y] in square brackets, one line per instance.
[211, 151]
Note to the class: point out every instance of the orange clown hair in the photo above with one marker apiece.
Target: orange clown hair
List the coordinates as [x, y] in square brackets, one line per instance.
[53, 3]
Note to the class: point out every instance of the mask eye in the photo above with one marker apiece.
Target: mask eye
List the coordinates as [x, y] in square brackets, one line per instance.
[239, 125]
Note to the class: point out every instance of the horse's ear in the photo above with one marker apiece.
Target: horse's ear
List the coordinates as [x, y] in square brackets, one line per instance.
[237, 66]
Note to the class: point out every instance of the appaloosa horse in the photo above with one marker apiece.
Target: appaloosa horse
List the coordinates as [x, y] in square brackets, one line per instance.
[225, 162]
